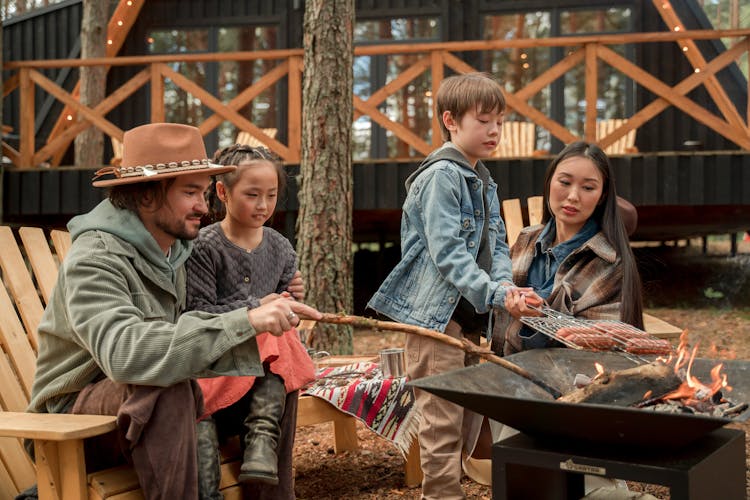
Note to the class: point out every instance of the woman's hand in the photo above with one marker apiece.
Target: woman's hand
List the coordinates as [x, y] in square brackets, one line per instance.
[519, 302]
[280, 315]
[297, 286]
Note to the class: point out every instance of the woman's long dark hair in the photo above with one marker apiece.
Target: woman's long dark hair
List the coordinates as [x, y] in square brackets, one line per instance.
[234, 155]
[608, 217]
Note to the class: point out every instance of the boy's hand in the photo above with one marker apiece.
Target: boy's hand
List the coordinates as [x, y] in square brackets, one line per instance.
[518, 302]
[533, 300]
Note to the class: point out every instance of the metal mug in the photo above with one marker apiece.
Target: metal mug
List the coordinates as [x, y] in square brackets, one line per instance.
[393, 362]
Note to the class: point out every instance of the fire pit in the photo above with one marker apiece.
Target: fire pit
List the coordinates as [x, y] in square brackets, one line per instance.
[561, 441]
[501, 395]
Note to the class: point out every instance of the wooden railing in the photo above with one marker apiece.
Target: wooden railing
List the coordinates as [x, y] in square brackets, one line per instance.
[588, 51]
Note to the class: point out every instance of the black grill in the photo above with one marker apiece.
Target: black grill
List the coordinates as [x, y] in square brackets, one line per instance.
[559, 441]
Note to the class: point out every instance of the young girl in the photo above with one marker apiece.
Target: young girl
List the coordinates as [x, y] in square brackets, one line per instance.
[580, 259]
[240, 262]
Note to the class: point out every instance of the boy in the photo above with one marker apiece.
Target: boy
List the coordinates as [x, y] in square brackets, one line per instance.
[454, 264]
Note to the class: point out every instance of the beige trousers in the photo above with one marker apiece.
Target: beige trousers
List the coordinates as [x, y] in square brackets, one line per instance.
[440, 432]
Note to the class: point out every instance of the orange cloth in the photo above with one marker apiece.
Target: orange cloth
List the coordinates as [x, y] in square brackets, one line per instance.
[286, 357]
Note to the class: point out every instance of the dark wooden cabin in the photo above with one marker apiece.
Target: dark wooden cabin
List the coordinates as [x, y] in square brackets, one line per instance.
[685, 177]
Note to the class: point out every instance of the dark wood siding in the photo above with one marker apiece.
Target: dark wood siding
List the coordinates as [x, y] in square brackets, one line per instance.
[678, 194]
[48, 33]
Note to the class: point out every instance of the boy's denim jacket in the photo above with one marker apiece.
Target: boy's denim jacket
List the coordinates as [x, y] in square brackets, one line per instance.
[441, 228]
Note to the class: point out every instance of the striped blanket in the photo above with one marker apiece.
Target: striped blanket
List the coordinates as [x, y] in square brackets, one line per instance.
[385, 405]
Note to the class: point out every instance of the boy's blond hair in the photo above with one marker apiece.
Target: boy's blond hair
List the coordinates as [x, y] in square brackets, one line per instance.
[461, 93]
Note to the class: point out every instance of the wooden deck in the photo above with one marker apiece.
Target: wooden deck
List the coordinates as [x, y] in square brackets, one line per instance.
[436, 59]
[678, 195]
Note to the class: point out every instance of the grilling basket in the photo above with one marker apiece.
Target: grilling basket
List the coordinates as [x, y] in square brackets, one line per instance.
[597, 335]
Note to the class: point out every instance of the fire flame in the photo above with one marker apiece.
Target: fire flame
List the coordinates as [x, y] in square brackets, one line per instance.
[692, 389]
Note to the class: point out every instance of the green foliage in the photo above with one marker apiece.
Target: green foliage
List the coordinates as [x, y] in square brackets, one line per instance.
[710, 293]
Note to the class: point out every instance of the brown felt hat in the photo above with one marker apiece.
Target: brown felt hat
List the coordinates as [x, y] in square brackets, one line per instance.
[159, 151]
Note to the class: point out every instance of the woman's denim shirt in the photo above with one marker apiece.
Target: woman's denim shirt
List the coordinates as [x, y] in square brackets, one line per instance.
[441, 228]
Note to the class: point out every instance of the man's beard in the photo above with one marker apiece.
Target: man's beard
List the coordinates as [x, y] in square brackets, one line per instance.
[178, 228]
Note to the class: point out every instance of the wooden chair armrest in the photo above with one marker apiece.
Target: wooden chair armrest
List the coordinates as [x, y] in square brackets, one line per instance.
[58, 448]
[54, 426]
[660, 328]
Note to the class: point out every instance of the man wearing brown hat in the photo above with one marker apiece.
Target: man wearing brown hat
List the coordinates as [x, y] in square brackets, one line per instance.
[114, 340]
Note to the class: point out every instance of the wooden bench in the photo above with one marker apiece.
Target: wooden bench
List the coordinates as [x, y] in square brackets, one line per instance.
[249, 139]
[513, 217]
[314, 411]
[516, 140]
[29, 273]
[624, 145]
[116, 160]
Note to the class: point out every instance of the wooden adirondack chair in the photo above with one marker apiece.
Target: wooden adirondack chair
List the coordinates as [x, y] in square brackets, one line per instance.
[515, 222]
[29, 273]
[625, 145]
[60, 470]
[517, 140]
[248, 139]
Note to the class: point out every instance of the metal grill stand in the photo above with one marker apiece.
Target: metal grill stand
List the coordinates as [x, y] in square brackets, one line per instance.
[709, 468]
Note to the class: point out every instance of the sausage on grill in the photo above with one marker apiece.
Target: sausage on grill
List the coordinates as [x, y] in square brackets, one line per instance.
[648, 346]
[587, 338]
[620, 330]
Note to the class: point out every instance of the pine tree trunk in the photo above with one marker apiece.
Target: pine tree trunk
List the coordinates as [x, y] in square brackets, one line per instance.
[324, 227]
[89, 144]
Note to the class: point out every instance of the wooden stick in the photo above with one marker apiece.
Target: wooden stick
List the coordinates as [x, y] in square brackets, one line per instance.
[464, 344]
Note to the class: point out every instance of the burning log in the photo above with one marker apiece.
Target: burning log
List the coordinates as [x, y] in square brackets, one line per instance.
[626, 387]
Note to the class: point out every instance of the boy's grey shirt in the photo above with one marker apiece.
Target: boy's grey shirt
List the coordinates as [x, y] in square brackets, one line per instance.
[441, 229]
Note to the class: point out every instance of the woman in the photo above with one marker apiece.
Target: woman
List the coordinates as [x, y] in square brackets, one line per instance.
[580, 259]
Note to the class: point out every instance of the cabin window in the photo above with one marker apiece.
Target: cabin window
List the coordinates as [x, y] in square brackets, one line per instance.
[578, 22]
[234, 76]
[180, 106]
[223, 79]
[517, 67]
[614, 88]
[412, 105]
[564, 100]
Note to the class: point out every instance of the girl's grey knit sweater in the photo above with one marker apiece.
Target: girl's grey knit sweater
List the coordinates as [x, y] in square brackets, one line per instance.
[222, 276]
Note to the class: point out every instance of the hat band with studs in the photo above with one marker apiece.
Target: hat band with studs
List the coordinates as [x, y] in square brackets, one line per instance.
[150, 170]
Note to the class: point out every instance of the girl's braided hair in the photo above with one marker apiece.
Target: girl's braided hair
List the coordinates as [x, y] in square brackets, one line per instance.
[235, 155]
